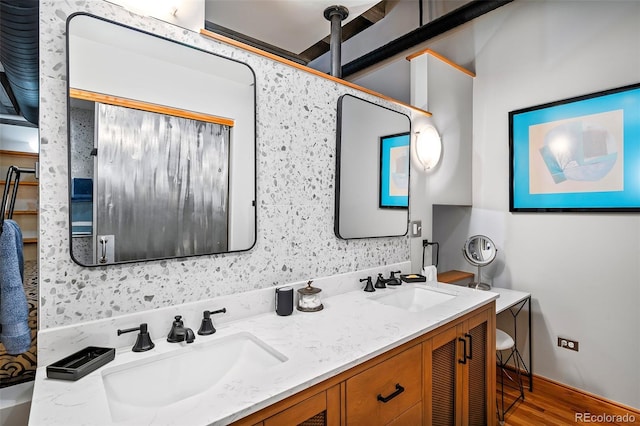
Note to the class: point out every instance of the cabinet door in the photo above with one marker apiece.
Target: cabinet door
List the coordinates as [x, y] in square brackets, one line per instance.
[480, 370]
[443, 400]
[459, 362]
[317, 410]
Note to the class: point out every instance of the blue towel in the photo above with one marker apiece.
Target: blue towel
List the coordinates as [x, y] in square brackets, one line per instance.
[15, 334]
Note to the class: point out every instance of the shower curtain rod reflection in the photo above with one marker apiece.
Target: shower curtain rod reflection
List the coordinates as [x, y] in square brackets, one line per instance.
[87, 95]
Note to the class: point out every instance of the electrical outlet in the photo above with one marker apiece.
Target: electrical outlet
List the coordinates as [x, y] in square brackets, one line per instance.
[568, 344]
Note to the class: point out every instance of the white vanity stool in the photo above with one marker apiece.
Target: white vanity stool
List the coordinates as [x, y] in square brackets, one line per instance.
[504, 342]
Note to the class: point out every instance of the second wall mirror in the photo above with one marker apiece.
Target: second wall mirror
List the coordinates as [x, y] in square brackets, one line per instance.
[161, 147]
[372, 170]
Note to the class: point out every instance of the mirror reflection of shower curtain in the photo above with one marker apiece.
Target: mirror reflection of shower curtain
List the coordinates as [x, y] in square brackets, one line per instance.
[150, 166]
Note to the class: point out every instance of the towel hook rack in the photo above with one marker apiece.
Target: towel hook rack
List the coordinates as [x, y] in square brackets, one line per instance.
[12, 174]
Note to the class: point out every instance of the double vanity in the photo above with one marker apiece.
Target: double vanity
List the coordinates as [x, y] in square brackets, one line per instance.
[417, 353]
[366, 356]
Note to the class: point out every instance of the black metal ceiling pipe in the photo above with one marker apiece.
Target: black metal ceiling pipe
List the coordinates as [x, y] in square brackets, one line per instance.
[336, 14]
[431, 29]
[19, 53]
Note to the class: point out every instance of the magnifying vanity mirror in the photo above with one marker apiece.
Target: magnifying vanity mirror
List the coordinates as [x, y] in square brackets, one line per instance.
[372, 170]
[479, 251]
[161, 147]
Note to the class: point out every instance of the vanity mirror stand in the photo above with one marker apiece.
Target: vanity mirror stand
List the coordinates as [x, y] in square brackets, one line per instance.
[479, 251]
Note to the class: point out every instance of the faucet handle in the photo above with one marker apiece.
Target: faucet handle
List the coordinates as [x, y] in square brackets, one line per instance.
[369, 286]
[143, 342]
[380, 282]
[206, 327]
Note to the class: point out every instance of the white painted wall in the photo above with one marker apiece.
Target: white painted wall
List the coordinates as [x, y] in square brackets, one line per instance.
[447, 93]
[583, 270]
[188, 14]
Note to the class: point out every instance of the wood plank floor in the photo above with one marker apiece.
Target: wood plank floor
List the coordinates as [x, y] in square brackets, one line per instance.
[553, 404]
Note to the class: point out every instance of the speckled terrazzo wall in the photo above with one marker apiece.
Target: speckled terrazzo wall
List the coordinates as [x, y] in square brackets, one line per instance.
[296, 127]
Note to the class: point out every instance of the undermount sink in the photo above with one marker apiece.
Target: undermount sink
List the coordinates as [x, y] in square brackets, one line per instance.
[414, 299]
[141, 387]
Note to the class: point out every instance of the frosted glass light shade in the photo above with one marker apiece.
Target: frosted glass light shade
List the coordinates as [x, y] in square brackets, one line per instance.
[428, 147]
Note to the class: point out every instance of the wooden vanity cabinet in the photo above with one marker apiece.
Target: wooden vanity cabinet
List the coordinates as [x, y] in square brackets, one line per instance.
[445, 377]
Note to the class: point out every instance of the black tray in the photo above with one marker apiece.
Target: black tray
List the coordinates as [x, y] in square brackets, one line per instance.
[413, 278]
[80, 363]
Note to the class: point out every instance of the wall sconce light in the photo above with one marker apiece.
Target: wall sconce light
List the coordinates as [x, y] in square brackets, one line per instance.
[428, 147]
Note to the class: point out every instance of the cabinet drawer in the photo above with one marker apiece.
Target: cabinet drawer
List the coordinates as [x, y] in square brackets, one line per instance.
[383, 392]
[413, 416]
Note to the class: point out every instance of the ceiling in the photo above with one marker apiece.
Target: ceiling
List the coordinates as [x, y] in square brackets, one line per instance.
[376, 36]
[299, 31]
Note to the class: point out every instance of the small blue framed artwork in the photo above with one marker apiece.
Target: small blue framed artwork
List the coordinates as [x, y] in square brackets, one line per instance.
[577, 155]
[394, 171]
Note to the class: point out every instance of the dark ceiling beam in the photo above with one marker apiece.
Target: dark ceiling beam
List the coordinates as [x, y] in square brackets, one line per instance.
[350, 29]
[10, 97]
[16, 122]
[429, 30]
[254, 42]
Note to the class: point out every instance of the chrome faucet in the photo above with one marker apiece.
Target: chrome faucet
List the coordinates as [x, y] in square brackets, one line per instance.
[180, 333]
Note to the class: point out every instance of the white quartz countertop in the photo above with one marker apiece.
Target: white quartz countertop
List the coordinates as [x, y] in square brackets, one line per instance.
[351, 329]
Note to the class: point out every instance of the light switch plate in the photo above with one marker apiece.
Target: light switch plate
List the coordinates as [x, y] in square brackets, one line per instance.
[415, 228]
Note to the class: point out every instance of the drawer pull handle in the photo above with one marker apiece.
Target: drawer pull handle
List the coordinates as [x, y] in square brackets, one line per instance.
[470, 356]
[398, 391]
[464, 350]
